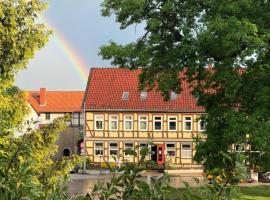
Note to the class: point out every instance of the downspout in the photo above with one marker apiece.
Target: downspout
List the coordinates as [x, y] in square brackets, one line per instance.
[84, 138]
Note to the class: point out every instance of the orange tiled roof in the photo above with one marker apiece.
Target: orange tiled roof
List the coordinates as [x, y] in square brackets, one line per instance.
[106, 86]
[56, 101]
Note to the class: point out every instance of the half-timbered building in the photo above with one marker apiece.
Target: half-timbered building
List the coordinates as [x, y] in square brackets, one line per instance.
[119, 116]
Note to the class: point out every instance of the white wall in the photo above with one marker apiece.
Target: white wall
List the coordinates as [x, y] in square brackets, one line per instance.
[30, 118]
[75, 118]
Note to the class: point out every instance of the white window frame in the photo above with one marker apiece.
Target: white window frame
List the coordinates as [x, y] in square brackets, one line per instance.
[98, 149]
[171, 149]
[154, 121]
[127, 155]
[125, 120]
[110, 121]
[189, 151]
[95, 127]
[199, 126]
[140, 120]
[184, 123]
[115, 148]
[169, 120]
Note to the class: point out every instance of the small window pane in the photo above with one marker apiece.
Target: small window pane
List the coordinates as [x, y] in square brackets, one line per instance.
[143, 145]
[125, 95]
[187, 124]
[113, 122]
[143, 96]
[99, 122]
[113, 149]
[47, 116]
[170, 148]
[143, 123]
[98, 149]
[172, 124]
[186, 151]
[202, 125]
[128, 122]
[157, 123]
[128, 145]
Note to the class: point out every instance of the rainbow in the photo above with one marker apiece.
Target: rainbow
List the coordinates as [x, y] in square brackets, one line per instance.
[71, 55]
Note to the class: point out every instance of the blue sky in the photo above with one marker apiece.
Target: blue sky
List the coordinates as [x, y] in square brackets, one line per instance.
[82, 25]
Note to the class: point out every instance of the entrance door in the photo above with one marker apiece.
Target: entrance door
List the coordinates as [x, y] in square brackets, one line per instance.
[160, 154]
[154, 153]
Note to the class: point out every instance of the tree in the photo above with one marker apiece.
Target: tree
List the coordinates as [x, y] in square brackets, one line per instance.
[26, 168]
[188, 34]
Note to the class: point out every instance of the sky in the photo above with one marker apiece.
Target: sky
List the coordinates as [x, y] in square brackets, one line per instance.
[79, 32]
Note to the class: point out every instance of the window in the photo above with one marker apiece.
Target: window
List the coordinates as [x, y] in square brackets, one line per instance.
[99, 120]
[170, 149]
[187, 124]
[113, 122]
[143, 145]
[75, 118]
[128, 146]
[172, 121]
[143, 123]
[113, 149]
[186, 151]
[201, 125]
[143, 95]
[98, 149]
[128, 122]
[47, 116]
[157, 123]
[125, 95]
[239, 147]
[173, 96]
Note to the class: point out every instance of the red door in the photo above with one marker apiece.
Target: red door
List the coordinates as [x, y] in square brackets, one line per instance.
[160, 154]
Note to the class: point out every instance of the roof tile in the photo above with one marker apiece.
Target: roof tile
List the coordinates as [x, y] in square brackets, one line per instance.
[106, 86]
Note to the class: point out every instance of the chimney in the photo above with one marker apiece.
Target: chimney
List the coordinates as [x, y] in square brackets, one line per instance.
[42, 96]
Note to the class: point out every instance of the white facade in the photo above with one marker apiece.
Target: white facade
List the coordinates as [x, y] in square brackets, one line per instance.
[29, 122]
[47, 118]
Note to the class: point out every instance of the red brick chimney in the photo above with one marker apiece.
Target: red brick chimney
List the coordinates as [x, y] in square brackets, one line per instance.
[42, 96]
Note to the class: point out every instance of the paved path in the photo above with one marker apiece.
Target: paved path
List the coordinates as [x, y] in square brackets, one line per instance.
[81, 184]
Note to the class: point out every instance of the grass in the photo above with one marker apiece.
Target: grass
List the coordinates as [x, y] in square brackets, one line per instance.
[245, 193]
[255, 193]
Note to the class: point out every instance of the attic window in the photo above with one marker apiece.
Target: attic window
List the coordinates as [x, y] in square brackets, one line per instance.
[143, 96]
[173, 96]
[125, 95]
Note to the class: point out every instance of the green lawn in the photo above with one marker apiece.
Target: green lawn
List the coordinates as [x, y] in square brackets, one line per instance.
[255, 193]
[245, 193]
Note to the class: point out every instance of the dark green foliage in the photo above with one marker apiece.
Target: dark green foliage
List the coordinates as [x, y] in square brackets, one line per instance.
[27, 170]
[127, 182]
[193, 34]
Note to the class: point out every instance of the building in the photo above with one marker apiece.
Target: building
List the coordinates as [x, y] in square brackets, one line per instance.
[119, 116]
[49, 105]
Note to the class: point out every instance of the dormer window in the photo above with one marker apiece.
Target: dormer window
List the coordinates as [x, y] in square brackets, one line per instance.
[125, 95]
[143, 95]
[173, 96]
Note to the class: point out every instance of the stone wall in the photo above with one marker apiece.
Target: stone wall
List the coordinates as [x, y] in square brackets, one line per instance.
[68, 141]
